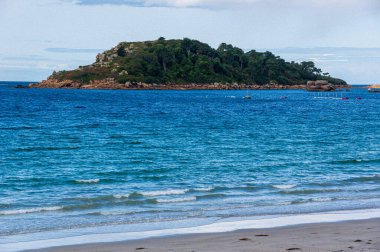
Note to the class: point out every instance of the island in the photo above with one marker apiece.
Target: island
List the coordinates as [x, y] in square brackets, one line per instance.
[186, 64]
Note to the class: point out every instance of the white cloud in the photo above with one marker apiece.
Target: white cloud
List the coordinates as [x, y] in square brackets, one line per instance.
[73, 50]
[355, 65]
[28, 64]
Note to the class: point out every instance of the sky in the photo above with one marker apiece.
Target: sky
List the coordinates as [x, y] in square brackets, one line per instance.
[341, 36]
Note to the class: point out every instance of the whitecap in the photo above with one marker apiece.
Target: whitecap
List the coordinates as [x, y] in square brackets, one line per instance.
[120, 196]
[322, 199]
[284, 203]
[176, 200]
[88, 181]
[30, 210]
[204, 189]
[284, 186]
[163, 193]
[113, 213]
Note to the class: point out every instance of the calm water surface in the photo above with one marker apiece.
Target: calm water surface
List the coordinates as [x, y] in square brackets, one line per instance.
[84, 158]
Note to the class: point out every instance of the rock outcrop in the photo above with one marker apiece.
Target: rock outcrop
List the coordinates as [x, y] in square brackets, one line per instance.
[322, 86]
[110, 83]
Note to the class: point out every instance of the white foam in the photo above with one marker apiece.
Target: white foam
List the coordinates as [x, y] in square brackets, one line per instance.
[166, 192]
[216, 227]
[121, 196]
[88, 181]
[205, 189]
[176, 200]
[284, 186]
[114, 213]
[285, 203]
[29, 210]
[322, 199]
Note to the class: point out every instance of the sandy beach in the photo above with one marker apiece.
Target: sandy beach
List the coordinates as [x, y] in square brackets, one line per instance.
[362, 235]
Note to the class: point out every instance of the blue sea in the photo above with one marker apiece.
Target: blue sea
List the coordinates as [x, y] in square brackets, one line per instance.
[147, 160]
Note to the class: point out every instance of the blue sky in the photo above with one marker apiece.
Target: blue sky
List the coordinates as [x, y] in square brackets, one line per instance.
[341, 36]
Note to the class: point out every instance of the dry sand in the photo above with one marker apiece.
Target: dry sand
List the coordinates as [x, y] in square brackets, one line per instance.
[351, 236]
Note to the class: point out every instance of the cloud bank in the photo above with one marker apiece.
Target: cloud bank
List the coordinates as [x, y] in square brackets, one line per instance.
[221, 4]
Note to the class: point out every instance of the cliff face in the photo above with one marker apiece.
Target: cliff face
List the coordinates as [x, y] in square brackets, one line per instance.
[186, 64]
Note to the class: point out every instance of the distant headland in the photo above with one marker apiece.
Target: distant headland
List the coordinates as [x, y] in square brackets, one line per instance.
[188, 64]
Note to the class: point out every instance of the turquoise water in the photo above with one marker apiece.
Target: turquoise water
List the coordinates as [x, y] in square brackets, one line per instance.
[94, 158]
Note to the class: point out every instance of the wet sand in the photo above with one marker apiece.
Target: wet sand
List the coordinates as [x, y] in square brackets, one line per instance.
[349, 236]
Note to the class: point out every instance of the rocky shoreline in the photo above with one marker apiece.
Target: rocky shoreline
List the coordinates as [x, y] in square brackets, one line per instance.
[110, 84]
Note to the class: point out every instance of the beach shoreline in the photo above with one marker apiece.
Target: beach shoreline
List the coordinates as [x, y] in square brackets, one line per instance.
[354, 235]
[108, 241]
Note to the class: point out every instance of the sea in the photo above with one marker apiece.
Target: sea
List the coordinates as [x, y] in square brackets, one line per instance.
[82, 163]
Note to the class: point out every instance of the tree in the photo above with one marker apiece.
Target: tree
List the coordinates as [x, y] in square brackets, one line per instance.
[186, 45]
[121, 52]
[164, 56]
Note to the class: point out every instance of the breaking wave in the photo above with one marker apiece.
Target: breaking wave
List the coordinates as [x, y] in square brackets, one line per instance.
[284, 186]
[87, 181]
[30, 210]
[176, 200]
[164, 193]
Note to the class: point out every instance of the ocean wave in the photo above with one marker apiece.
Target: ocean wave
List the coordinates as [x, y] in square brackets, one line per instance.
[164, 193]
[143, 173]
[211, 196]
[18, 128]
[107, 198]
[104, 213]
[247, 188]
[326, 199]
[135, 142]
[310, 200]
[284, 186]
[121, 196]
[373, 178]
[134, 195]
[92, 204]
[347, 161]
[97, 198]
[310, 191]
[284, 203]
[40, 148]
[87, 181]
[176, 200]
[203, 189]
[30, 210]
[355, 161]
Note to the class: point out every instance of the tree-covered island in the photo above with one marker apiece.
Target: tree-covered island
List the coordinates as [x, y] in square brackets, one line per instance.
[187, 64]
